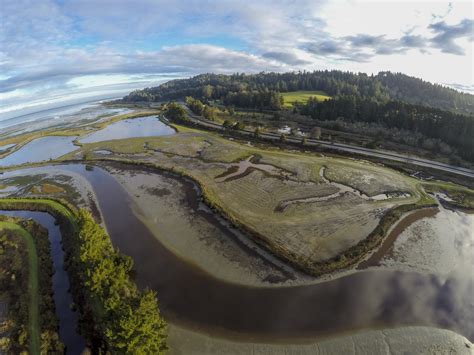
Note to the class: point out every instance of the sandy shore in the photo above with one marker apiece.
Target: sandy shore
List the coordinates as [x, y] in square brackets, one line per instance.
[404, 340]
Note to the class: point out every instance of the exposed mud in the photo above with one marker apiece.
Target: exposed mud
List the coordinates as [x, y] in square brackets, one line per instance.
[390, 239]
[191, 297]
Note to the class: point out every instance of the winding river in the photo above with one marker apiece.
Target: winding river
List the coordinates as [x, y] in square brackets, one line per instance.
[192, 298]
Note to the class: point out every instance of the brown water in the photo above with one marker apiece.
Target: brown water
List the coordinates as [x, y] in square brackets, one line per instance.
[390, 239]
[365, 299]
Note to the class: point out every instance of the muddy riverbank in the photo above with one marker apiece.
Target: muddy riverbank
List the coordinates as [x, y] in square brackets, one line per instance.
[172, 209]
[395, 231]
[406, 340]
[194, 299]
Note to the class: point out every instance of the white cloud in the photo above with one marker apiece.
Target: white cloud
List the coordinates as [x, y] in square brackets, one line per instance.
[49, 47]
[83, 73]
[186, 59]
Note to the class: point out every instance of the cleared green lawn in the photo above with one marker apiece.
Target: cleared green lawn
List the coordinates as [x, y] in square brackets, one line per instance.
[33, 308]
[302, 97]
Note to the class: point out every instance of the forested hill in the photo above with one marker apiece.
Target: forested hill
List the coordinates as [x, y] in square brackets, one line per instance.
[236, 88]
[416, 91]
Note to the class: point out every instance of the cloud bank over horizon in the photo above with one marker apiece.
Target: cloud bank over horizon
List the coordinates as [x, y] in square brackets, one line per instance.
[52, 49]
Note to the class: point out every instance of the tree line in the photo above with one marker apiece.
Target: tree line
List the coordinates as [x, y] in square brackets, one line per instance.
[254, 91]
[391, 100]
[125, 320]
[114, 316]
[419, 92]
[454, 129]
[200, 109]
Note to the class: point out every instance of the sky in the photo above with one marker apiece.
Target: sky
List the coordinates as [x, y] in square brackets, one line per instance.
[54, 52]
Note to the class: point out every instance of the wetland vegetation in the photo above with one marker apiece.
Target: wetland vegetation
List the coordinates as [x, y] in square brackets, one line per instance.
[30, 323]
[157, 265]
[372, 106]
[114, 315]
[217, 216]
[279, 177]
[211, 178]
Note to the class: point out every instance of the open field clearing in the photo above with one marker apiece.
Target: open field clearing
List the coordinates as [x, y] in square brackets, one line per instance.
[305, 208]
[301, 97]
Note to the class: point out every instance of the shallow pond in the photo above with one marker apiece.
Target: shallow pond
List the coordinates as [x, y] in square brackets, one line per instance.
[137, 127]
[365, 299]
[40, 149]
[67, 318]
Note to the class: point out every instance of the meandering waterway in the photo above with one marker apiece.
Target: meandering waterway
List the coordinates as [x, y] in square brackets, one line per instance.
[192, 298]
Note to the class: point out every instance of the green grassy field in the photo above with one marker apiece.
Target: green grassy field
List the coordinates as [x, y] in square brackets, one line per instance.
[33, 307]
[302, 97]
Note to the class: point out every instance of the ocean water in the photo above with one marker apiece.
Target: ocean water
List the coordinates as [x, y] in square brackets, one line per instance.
[56, 116]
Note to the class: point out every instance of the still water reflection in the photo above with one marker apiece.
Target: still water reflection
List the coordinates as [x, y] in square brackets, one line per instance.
[137, 127]
[365, 299]
[40, 149]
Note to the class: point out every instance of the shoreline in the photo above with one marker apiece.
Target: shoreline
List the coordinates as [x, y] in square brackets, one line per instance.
[315, 269]
[184, 341]
[219, 332]
[302, 278]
